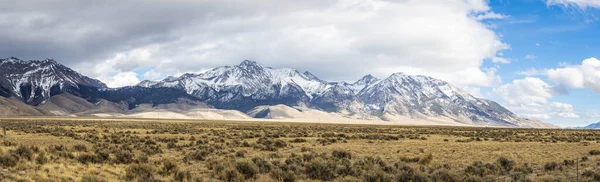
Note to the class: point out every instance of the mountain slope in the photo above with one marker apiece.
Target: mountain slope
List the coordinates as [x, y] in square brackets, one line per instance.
[35, 81]
[249, 85]
[593, 126]
[10, 108]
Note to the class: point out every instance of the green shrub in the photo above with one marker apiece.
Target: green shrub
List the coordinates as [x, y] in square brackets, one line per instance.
[263, 165]
[247, 169]
[280, 175]
[232, 175]
[319, 169]
[506, 164]
[123, 157]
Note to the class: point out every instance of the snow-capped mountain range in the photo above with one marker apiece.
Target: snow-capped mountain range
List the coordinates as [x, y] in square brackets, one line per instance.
[251, 87]
[251, 84]
[37, 80]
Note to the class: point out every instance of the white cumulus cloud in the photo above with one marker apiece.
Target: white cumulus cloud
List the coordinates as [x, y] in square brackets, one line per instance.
[586, 75]
[529, 97]
[439, 38]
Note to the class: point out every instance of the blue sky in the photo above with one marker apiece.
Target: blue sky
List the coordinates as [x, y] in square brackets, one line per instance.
[555, 35]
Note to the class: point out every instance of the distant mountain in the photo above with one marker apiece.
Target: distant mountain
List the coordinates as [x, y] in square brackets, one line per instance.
[593, 126]
[47, 87]
[35, 81]
[250, 85]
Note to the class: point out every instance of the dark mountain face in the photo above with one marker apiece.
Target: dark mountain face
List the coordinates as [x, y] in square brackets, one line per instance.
[133, 96]
[250, 84]
[35, 81]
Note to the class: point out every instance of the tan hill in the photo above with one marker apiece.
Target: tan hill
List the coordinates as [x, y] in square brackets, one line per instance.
[65, 104]
[10, 107]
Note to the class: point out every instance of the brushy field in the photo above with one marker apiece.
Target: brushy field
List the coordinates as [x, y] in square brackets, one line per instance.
[133, 150]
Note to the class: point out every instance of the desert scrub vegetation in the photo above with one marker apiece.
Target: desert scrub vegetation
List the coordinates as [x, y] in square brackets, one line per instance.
[136, 150]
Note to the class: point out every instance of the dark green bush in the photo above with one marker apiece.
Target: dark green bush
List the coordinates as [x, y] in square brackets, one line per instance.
[123, 157]
[247, 169]
[506, 164]
[319, 169]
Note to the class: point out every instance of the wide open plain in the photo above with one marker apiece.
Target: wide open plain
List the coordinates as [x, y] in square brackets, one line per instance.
[93, 149]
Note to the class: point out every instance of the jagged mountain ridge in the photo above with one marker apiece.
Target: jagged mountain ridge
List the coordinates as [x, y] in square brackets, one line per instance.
[251, 84]
[37, 80]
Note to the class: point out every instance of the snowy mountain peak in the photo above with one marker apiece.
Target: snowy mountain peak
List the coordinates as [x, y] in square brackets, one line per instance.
[251, 84]
[146, 83]
[247, 64]
[36, 80]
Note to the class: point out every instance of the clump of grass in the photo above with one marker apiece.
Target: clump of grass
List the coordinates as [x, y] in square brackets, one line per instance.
[23, 152]
[506, 164]
[320, 170]
[168, 168]
[41, 159]
[247, 169]
[141, 172]
[550, 166]
[341, 154]
[90, 178]
[8, 160]
[80, 148]
[123, 157]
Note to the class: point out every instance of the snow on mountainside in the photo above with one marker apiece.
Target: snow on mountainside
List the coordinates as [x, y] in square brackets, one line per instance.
[35, 81]
[249, 85]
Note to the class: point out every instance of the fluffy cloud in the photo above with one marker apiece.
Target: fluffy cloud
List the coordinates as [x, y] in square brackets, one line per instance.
[586, 75]
[526, 91]
[583, 4]
[529, 97]
[120, 79]
[444, 39]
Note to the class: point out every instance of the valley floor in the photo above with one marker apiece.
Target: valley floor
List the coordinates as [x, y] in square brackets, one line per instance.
[109, 149]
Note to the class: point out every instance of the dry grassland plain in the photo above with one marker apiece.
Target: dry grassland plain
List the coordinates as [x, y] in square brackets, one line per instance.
[62, 149]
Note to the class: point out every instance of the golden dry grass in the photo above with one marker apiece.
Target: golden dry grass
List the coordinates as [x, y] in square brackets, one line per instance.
[229, 144]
